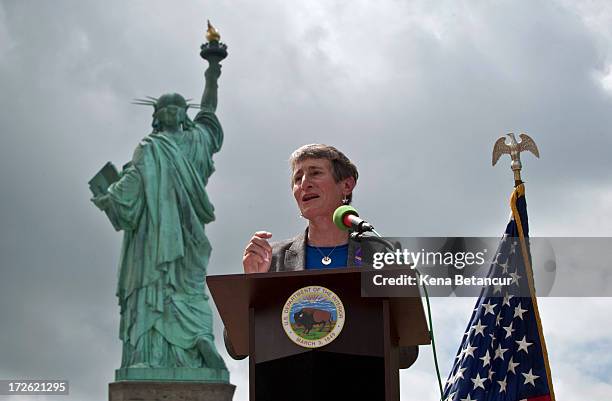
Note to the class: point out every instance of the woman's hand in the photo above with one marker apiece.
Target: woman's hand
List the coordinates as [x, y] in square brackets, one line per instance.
[258, 253]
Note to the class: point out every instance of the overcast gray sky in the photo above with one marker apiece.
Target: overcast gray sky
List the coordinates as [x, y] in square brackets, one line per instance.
[415, 93]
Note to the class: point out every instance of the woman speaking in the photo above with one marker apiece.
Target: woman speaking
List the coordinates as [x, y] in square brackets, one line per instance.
[322, 179]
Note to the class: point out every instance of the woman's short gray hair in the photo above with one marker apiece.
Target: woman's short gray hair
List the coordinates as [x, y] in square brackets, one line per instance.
[342, 167]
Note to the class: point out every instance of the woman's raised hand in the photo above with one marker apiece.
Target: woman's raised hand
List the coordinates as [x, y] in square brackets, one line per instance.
[258, 253]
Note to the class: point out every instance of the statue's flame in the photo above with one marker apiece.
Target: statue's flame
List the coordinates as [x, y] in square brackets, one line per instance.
[212, 34]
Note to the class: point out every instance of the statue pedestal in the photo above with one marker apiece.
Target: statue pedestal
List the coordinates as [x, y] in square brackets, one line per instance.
[169, 391]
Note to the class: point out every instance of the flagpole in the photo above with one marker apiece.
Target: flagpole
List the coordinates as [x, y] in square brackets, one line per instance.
[520, 191]
[514, 149]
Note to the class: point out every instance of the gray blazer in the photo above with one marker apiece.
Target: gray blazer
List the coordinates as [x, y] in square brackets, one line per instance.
[290, 255]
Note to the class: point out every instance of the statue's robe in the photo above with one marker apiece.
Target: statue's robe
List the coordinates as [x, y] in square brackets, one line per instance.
[161, 204]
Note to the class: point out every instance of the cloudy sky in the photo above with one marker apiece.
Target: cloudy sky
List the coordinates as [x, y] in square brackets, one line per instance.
[415, 93]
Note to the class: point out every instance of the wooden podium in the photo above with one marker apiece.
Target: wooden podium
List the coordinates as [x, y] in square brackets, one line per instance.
[362, 363]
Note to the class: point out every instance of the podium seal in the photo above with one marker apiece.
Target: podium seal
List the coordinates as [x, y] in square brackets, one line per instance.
[313, 316]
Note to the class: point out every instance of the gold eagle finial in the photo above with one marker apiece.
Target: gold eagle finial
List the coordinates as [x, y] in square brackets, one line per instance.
[212, 35]
[514, 149]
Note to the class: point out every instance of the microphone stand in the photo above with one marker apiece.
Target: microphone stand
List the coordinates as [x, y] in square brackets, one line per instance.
[360, 236]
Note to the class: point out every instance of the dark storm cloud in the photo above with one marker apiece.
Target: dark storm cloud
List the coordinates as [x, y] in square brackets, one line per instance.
[415, 94]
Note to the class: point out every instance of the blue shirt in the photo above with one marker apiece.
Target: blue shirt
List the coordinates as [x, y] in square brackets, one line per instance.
[315, 254]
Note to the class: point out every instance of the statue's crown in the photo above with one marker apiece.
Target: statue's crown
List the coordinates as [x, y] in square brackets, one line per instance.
[169, 99]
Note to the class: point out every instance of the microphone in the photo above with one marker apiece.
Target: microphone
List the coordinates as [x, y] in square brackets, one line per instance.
[347, 218]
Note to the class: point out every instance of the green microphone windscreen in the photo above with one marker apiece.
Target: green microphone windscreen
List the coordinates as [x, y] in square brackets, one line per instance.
[340, 213]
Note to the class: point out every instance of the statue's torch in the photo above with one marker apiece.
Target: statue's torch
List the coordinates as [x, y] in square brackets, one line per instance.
[213, 50]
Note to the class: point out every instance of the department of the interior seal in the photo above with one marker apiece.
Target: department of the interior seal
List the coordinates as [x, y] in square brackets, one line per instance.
[313, 316]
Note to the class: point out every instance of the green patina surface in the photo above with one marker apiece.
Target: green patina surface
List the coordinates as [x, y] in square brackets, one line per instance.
[161, 204]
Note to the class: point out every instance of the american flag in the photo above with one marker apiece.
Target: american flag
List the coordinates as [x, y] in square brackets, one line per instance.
[502, 356]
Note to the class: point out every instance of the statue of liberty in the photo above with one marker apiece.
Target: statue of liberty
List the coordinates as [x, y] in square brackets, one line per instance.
[159, 200]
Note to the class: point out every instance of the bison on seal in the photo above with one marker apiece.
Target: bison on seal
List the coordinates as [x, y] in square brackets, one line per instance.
[308, 317]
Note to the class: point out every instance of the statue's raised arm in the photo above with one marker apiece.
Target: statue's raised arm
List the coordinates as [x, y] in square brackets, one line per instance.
[209, 97]
[213, 51]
